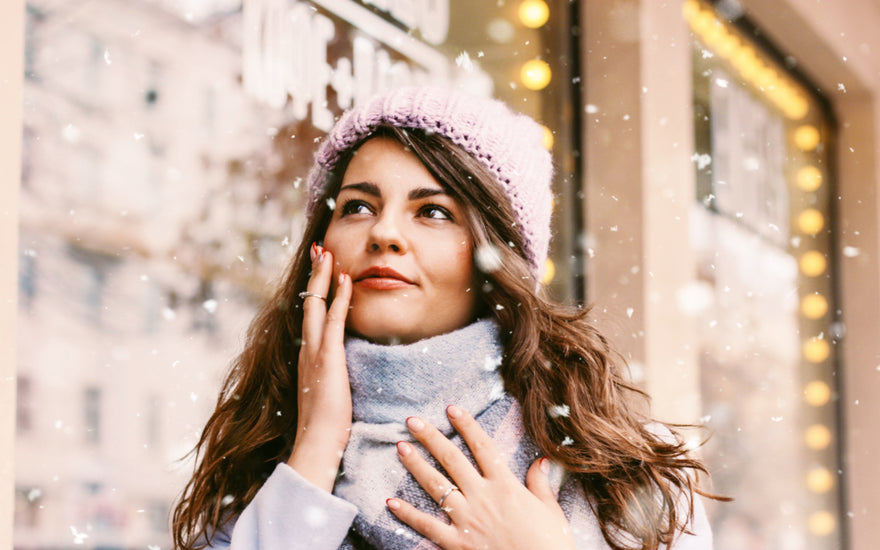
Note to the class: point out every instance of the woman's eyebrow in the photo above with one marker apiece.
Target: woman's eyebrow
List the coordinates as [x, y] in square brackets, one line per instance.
[364, 187]
[424, 192]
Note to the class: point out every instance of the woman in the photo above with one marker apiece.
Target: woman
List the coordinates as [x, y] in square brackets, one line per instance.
[410, 383]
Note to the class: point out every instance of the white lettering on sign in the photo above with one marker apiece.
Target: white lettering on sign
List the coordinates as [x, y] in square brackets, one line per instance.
[285, 45]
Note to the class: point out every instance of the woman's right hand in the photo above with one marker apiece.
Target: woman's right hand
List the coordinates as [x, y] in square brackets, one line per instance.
[324, 399]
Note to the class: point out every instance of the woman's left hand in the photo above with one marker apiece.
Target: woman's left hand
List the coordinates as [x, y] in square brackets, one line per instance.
[489, 511]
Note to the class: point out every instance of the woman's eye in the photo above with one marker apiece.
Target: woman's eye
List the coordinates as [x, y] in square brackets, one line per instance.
[435, 212]
[355, 207]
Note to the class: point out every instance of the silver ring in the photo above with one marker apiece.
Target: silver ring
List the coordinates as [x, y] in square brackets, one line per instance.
[446, 495]
[305, 294]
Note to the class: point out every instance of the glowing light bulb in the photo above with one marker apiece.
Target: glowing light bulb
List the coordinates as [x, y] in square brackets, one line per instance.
[813, 263]
[816, 350]
[817, 437]
[690, 9]
[814, 306]
[806, 137]
[808, 178]
[547, 138]
[549, 272]
[820, 480]
[822, 523]
[817, 393]
[535, 74]
[533, 13]
[811, 221]
[797, 107]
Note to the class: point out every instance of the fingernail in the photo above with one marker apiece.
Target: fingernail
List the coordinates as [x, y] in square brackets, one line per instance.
[545, 465]
[313, 251]
[392, 504]
[414, 424]
[342, 276]
[453, 412]
[403, 448]
[321, 253]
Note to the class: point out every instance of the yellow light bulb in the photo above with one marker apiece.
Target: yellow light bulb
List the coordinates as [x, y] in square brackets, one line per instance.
[811, 221]
[547, 138]
[817, 437]
[535, 74]
[809, 178]
[690, 9]
[549, 272]
[817, 393]
[813, 263]
[822, 523]
[797, 107]
[820, 480]
[816, 350]
[806, 137]
[533, 13]
[814, 306]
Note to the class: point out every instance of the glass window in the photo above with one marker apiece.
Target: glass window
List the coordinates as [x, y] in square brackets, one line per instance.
[763, 232]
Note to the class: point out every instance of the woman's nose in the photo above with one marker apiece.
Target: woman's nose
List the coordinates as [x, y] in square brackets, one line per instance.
[386, 234]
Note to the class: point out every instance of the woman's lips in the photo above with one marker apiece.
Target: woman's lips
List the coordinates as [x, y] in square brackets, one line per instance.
[381, 278]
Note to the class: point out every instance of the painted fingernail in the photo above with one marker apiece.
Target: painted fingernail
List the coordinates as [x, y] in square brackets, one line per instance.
[392, 504]
[545, 465]
[453, 411]
[403, 448]
[414, 424]
[342, 276]
[321, 253]
[313, 251]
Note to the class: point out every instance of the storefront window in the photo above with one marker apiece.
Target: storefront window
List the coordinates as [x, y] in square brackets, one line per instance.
[763, 233]
[167, 143]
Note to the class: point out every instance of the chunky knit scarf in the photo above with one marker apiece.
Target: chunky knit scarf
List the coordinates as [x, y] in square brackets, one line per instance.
[391, 383]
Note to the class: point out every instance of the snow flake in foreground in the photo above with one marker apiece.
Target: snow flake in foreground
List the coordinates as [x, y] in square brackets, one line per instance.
[702, 161]
[210, 305]
[491, 363]
[78, 538]
[331, 203]
[464, 61]
[851, 251]
[567, 441]
[488, 258]
[559, 410]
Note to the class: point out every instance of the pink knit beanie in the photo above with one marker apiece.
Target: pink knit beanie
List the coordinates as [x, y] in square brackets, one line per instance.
[508, 144]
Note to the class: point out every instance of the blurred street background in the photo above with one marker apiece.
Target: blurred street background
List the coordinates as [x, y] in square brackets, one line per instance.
[717, 174]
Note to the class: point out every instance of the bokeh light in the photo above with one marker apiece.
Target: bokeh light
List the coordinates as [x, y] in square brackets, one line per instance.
[806, 137]
[822, 523]
[814, 306]
[535, 74]
[817, 437]
[810, 221]
[817, 393]
[813, 263]
[808, 178]
[820, 480]
[816, 350]
[533, 13]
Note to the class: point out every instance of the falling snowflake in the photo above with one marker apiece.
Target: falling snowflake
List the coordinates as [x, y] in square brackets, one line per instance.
[464, 61]
[567, 441]
[559, 410]
[488, 258]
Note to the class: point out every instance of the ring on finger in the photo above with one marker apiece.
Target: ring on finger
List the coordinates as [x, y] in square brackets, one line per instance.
[306, 294]
[446, 494]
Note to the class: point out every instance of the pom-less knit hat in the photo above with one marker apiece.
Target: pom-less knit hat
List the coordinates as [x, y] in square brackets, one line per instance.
[508, 144]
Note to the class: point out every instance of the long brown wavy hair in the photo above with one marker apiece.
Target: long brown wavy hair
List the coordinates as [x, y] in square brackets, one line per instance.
[641, 485]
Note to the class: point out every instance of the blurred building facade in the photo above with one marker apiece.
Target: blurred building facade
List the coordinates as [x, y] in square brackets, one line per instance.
[717, 167]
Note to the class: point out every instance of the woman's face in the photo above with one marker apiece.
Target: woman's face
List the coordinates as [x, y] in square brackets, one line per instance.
[406, 245]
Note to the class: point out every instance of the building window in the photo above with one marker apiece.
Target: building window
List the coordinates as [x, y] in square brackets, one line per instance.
[763, 238]
[24, 421]
[92, 414]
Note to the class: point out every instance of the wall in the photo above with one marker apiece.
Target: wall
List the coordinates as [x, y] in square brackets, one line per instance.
[11, 69]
